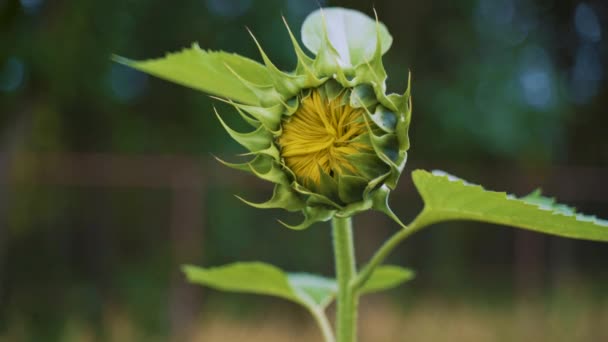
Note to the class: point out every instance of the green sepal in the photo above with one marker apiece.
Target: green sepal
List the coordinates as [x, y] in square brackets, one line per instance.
[403, 126]
[386, 146]
[380, 203]
[270, 117]
[260, 139]
[407, 92]
[272, 151]
[237, 166]
[354, 208]
[285, 84]
[328, 186]
[368, 164]
[283, 197]
[345, 100]
[372, 71]
[314, 198]
[396, 170]
[327, 63]
[268, 169]
[402, 133]
[291, 106]
[401, 104]
[363, 95]
[376, 183]
[304, 66]
[394, 102]
[312, 215]
[266, 94]
[331, 89]
[350, 188]
[248, 119]
[385, 119]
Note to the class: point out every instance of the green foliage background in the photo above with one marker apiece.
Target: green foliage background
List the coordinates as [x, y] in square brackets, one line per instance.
[498, 100]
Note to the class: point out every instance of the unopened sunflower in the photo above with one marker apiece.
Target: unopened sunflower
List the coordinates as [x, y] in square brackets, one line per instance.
[326, 134]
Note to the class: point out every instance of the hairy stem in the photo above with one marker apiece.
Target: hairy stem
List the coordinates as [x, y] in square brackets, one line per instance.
[347, 299]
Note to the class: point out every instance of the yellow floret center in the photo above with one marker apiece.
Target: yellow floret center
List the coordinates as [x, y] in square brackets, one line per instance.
[319, 136]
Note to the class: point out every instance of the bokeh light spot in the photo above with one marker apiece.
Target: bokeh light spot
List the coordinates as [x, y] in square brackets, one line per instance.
[303, 7]
[229, 8]
[499, 12]
[586, 74]
[12, 75]
[31, 6]
[536, 78]
[503, 22]
[536, 84]
[586, 23]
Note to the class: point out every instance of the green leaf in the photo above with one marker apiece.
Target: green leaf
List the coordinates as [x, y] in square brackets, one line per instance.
[309, 290]
[319, 290]
[214, 72]
[351, 33]
[246, 277]
[386, 277]
[449, 198]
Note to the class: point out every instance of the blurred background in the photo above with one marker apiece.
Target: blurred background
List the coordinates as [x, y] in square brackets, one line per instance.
[107, 182]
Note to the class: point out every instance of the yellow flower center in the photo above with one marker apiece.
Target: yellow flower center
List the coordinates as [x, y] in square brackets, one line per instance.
[318, 137]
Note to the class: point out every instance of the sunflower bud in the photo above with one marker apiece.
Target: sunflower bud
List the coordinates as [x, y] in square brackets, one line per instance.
[327, 134]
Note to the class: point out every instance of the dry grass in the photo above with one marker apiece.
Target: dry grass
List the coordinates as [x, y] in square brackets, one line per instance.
[567, 319]
[431, 320]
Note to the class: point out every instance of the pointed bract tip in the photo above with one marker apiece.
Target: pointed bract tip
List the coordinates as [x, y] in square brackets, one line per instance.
[250, 33]
[249, 203]
[300, 226]
[243, 200]
[121, 60]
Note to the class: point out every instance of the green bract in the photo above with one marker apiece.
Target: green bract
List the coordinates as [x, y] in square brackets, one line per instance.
[348, 48]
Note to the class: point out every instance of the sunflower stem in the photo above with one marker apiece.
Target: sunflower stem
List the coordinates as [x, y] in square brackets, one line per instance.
[323, 323]
[347, 299]
[387, 247]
